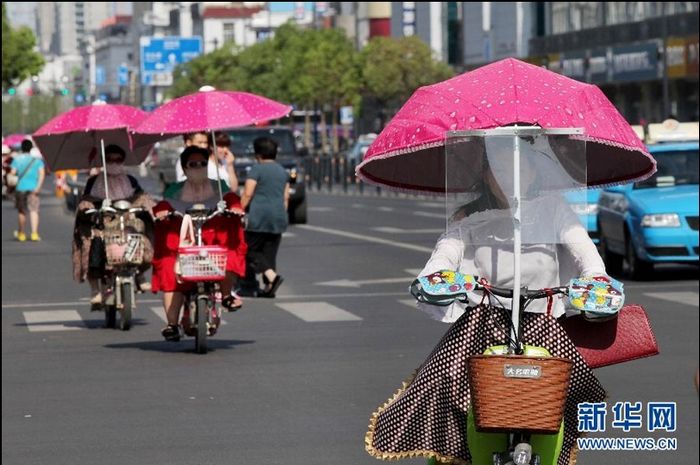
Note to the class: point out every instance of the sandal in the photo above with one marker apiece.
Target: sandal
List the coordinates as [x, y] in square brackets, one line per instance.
[270, 294]
[171, 333]
[231, 303]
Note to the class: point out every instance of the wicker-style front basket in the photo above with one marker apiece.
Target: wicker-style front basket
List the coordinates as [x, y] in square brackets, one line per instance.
[515, 392]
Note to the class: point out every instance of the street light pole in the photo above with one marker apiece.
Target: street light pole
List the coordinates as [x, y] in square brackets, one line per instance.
[664, 62]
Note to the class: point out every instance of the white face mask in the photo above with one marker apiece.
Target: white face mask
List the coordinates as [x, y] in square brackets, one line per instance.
[115, 169]
[196, 174]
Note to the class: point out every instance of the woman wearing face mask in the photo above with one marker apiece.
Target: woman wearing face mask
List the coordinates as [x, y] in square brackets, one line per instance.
[121, 186]
[224, 231]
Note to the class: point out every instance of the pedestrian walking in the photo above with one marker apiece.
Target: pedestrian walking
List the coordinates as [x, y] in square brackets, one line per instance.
[221, 158]
[265, 197]
[30, 173]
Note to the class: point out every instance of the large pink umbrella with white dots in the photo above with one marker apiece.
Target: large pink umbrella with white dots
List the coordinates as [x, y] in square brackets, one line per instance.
[206, 111]
[409, 153]
[73, 140]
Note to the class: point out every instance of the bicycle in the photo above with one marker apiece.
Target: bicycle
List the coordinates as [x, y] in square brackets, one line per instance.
[205, 267]
[507, 429]
[124, 253]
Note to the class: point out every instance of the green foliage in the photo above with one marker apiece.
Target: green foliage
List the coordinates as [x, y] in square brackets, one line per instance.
[308, 67]
[392, 69]
[19, 60]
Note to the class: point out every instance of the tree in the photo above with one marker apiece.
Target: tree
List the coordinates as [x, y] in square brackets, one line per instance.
[333, 78]
[220, 69]
[392, 69]
[19, 60]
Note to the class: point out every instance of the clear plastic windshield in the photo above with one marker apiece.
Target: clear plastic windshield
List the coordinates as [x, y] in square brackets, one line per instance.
[515, 191]
[512, 198]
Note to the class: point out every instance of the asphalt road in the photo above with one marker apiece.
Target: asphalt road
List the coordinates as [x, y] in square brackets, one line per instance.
[288, 381]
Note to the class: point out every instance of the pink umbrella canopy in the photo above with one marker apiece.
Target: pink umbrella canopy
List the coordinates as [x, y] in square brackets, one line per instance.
[12, 140]
[408, 155]
[205, 111]
[72, 139]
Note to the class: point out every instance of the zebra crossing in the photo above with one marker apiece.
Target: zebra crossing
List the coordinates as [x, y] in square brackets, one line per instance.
[306, 310]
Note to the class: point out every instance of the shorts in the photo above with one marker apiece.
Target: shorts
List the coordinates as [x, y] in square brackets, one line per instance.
[26, 201]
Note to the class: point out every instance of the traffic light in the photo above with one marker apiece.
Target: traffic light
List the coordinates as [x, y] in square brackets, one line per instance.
[65, 91]
[11, 91]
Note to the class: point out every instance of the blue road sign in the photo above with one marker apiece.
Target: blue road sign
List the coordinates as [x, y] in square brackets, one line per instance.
[99, 75]
[160, 56]
[123, 75]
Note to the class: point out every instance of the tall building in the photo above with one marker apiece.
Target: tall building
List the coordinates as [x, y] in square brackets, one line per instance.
[643, 55]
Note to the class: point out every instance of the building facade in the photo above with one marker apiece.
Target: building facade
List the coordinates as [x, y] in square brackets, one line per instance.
[643, 55]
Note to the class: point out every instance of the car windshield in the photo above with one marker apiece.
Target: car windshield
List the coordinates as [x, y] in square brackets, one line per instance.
[242, 141]
[673, 169]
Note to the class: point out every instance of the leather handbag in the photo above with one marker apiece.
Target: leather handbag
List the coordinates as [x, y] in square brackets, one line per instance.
[627, 337]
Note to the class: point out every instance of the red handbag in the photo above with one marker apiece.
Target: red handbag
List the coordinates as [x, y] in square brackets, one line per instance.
[627, 337]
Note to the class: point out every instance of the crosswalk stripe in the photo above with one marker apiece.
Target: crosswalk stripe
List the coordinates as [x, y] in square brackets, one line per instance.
[53, 320]
[410, 302]
[318, 312]
[685, 298]
[161, 315]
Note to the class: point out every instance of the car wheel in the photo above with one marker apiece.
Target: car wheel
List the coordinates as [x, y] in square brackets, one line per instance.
[637, 268]
[613, 261]
[297, 215]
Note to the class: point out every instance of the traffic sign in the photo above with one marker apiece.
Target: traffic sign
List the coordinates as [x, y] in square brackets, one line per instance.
[160, 56]
[123, 75]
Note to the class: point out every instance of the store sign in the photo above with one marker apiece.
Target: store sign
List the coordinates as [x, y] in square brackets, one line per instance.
[676, 57]
[635, 62]
[598, 65]
[554, 62]
[692, 55]
[573, 65]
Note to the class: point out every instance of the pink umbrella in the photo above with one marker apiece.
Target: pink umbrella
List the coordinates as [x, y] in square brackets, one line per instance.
[206, 111]
[14, 139]
[408, 155]
[72, 139]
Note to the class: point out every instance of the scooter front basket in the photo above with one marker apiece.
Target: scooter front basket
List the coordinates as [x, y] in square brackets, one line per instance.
[516, 392]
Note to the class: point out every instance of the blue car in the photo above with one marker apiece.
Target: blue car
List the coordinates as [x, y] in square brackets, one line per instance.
[585, 205]
[656, 220]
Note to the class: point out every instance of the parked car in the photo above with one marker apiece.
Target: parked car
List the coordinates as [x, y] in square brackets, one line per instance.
[288, 155]
[656, 220]
[585, 205]
[353, 157]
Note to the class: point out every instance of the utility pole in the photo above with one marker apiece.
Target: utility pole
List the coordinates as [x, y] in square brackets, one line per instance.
[664, 62]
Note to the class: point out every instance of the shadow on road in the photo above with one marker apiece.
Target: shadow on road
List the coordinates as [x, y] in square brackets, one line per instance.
[185, 345]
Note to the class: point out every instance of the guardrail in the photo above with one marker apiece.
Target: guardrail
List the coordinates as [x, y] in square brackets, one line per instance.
[334, 173]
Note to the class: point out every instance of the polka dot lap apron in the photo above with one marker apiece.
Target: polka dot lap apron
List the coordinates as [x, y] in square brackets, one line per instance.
[428, 416]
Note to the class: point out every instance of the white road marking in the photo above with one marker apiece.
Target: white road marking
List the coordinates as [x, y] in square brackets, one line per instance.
[68, 304]
[288, 234]
[430, 215]
[53, 320]
[386, 209]
[413, 271]
[321, 209]
[685, 298]
[410, 302]
[431, 204]
[357, 284]
[390, 230]
[314, 312]
[160, 313]
[364, 238]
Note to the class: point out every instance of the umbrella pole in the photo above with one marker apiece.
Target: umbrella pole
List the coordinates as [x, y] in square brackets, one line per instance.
[515, 306]
[104, 169]
[216, 161]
